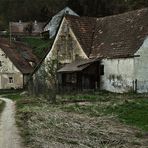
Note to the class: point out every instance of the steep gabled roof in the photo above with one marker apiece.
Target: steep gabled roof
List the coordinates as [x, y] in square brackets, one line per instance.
[20, 55]
[83, 28]
[53, 24]
[113, 36]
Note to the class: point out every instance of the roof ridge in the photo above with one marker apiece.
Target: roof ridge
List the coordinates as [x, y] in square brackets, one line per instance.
[80, 17]
[124, 13]
[109, 16]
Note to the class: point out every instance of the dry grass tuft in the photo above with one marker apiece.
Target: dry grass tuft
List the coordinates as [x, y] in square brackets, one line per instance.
[48, 126]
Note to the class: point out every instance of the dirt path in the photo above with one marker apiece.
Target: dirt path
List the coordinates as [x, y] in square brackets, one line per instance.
[9, 137]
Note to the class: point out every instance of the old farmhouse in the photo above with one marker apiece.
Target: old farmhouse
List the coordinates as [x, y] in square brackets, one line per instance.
[109, 53]
[16, 64]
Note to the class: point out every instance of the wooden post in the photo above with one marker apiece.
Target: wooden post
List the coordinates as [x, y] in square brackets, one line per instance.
[136, 85]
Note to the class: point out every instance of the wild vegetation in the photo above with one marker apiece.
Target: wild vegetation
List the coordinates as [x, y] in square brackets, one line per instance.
[84, 120]
[130, 109]
[39, 45]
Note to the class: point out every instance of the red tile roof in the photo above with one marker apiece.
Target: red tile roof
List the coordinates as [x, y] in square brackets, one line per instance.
[83, 27]
[20, 55]
[113, 36]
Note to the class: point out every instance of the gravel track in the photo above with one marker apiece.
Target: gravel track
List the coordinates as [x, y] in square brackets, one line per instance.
[9, 137]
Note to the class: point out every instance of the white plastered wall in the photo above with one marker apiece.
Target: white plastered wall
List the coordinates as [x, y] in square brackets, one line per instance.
[141, 67]
[118, 75]
[8, 69]
[68, 53]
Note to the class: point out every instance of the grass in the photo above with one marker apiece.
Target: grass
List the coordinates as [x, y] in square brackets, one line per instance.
[39, 45]
[92, 96]
[134, 113]
[91, 110]
[47, 125]
[129, 108]
[13, 96]
[94, 123]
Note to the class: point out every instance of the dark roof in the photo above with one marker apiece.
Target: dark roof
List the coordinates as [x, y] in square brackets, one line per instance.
[77, 66]
[113, 36]
[83, 28]
[20, 55]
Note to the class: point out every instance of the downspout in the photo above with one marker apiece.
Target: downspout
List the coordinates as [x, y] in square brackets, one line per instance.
[135, 78]
[135, 84]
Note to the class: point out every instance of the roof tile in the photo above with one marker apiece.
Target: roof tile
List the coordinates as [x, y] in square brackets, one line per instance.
[112, 36]
[20, 55]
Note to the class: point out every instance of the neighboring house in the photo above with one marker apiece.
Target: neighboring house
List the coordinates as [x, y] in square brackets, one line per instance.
[16, 64]
[52, 26]
[119, 43]
[26, 28]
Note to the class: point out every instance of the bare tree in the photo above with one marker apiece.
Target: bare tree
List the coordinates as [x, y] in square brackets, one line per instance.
[48, 77]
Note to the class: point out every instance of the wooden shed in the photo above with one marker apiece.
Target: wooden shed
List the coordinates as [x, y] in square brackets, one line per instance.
[80, 75]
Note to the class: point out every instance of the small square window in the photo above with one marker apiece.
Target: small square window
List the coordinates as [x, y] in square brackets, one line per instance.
[10, 80]
[101, 70]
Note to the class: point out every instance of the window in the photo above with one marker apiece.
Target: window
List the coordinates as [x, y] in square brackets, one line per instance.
[10, 80]
[0, 63]
[101, 70]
